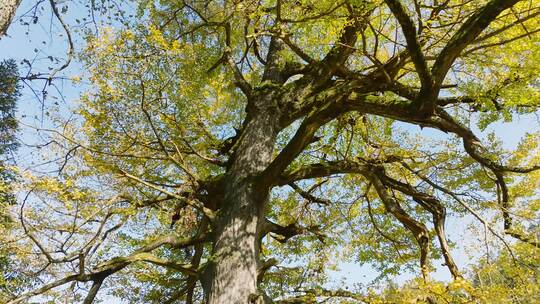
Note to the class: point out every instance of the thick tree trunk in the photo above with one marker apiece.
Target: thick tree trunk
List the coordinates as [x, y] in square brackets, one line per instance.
[231, 276]
[7, 12]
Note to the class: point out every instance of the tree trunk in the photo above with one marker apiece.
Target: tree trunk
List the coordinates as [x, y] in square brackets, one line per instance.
[7, 12]
[231, 275]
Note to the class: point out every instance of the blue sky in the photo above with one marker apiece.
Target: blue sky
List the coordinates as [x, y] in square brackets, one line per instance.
[49, 40]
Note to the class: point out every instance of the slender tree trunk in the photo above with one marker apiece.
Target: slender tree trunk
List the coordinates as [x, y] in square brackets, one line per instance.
[7, 12]
[232, 273]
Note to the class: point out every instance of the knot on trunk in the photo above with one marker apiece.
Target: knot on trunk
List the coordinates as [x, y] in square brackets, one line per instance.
[255, 298]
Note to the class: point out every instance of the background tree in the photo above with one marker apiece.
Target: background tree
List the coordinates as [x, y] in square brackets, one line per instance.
[9, 93]
[282, 136]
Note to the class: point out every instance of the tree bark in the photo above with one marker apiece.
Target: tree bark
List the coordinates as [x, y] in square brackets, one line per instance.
[7, 12]
[231, 276]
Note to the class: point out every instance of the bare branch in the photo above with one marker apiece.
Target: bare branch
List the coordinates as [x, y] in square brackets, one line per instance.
[114, 265]
[195, 204]
[69, 38]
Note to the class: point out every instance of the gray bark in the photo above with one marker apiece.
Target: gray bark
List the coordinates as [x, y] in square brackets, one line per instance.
[231, 276]
[7, 12]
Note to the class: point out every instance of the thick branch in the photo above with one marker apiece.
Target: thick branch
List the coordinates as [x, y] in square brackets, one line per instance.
[289, 231]
[309, 296]
[437, 210]
[419, 230]
[321, 170]
[96, 285]
[302, 138]
[272, 70]
[466, 34]
[413, 45]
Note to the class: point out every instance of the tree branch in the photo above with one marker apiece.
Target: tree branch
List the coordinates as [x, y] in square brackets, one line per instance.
[413, 45]
[114, 265]
[466, 34]
[419, 230]
[96, 285]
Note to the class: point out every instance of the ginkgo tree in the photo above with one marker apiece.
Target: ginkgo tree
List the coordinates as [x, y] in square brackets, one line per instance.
[237, 151]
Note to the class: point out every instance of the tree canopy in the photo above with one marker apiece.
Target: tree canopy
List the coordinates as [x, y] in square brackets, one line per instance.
[241, 151]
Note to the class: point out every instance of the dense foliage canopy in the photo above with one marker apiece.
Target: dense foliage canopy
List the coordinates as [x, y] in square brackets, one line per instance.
[9, 92]
[242, 151]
